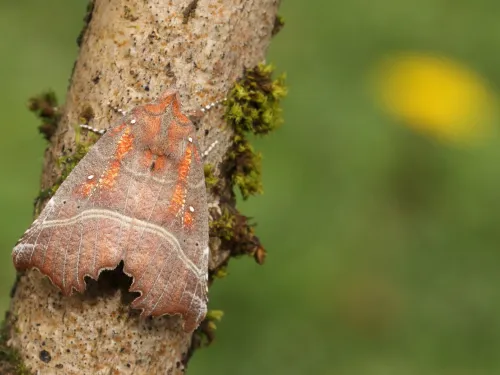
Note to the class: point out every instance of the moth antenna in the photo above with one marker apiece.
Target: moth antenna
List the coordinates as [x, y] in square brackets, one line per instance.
[209, 106]
[209, 149]
[116, 109]
[102, 131]
[196, 114]
[93, 130]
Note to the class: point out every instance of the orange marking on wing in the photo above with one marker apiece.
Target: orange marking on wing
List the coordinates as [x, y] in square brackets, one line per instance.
[159, 108]
[117, 129]
[108, 179]
[147, 158]
[152, 128]
[86, 188]
[176, 108]
[188, 220]
[125, 144]
[185, 164]
[179, 195]
[175, 134]
[177, 200]
[160, 163]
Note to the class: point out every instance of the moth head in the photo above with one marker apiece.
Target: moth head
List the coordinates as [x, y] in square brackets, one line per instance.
[163, 128]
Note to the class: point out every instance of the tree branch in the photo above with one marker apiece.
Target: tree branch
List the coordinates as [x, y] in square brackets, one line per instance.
[131, 51]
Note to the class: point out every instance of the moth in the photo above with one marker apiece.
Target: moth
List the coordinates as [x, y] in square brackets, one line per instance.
[138, 196]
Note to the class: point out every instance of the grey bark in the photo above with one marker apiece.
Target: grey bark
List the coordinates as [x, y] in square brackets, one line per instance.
[130, 52]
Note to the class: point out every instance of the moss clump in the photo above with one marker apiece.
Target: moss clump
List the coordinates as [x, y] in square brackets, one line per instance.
[205, 333]
[210, 180]
[253, 107]
[237, 234]
[246, 168]
[214, 316]
[44, 106]
[222, 225]
[66, 164]
[279, 23]
[11, 362]
[254, 103]
[219, 273]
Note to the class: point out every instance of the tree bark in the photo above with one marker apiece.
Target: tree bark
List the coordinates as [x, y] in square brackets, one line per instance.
[130, 52]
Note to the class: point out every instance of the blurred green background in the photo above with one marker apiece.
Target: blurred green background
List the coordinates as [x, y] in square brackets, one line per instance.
[383, 239]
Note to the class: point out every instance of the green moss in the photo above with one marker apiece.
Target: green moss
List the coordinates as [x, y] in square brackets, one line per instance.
[11, 362]
[205, 333]
[219, 273]
[214, 316]
[245, 169]
[237, 234]
[222, 225]
[253, 107]
[279, 23]
[44, 106]
[210, 180]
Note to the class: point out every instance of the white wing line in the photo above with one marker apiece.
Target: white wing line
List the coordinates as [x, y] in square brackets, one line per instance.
[147, 227]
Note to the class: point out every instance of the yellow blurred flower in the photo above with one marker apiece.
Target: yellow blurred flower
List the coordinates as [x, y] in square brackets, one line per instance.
[436, 96]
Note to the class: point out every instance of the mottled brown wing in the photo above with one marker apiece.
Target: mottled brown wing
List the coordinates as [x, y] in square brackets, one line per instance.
[58, 243]
[121, 202]
[169, 257]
